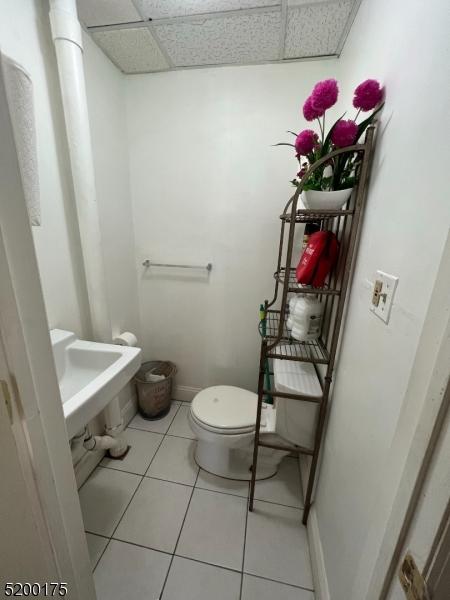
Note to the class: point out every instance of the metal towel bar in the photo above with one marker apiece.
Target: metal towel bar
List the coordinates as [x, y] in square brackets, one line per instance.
[148, 263]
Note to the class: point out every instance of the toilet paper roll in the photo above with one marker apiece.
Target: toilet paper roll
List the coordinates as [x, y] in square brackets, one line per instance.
[126, 339]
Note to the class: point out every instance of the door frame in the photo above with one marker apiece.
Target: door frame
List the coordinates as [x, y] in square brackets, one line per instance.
[33, 384]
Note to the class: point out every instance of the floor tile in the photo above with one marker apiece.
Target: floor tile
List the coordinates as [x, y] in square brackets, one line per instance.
[277, 546]
[174, 461]
[254, 588]
[155, 515]
[104, 498]
[144, 445]
[213, 531]
[282, 488]
[127, 571]
[158, 426]
[190, 580]
[180, 425]
[208, 481]
[96, 545]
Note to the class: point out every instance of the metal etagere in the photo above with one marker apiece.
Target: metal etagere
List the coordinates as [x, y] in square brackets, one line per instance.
[276, 340]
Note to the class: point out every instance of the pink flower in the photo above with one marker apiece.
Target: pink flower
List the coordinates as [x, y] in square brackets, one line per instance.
[309, 112]
[305, 142]
[344, 133]
[367, 95]
[324, 95]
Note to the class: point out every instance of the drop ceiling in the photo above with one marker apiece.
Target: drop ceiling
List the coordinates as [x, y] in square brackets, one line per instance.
[145, 36]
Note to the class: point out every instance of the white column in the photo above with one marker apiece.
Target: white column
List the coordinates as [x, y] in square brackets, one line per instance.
[66, 33]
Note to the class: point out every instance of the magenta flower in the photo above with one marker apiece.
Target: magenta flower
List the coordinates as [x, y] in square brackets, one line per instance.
[324, 95]
[344, 133]
[305, 142]
[368, 94]
[309, 112]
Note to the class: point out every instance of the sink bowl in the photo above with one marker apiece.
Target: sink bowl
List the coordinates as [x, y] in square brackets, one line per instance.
[90, 374]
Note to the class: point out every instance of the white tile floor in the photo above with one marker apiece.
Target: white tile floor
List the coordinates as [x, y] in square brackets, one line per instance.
[160, 528]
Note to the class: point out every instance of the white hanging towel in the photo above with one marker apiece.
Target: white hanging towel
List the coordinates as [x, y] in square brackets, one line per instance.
[19, 94]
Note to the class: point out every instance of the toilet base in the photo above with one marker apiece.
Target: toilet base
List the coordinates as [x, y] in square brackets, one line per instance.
[236, 463]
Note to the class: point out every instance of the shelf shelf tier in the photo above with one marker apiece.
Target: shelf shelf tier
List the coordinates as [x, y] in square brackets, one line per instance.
[276, 340]
[307, 215]
[286, 348]
[297, 288]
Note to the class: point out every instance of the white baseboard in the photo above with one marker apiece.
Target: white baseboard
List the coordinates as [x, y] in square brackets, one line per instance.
[86, 465]
[129, 410]
[185, 393]
[89, 460]
[321, 589]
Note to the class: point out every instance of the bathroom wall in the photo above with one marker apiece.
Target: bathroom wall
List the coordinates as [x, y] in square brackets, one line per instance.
[206, 186]
[404, 230]
[25, 36]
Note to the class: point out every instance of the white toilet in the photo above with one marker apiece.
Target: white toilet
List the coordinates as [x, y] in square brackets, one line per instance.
[223, 420]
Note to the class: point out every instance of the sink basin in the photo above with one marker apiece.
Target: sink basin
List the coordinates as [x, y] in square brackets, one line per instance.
[90, 374]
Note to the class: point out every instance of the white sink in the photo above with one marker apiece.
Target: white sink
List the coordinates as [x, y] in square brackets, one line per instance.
[90, 374]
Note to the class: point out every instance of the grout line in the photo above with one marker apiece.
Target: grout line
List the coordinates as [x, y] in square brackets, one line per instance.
[280, 504]
[189, 485]
[116, 539]
[296, 587]
[245, 540]
[101, 556]
[199, 487]
[178, 539]
[105, 537]
[203, 562]
[183, 437]
[135, 491]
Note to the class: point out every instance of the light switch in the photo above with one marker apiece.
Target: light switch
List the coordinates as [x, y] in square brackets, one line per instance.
[383, 295]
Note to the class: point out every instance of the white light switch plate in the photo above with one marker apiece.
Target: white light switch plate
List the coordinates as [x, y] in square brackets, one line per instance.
[389, 285]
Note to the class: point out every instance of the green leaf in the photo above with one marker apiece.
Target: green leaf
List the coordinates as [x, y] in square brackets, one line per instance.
[364, 124]
[293, 133]
[284, 144]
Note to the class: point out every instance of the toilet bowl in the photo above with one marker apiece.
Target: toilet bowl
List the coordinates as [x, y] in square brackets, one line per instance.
[223, 420]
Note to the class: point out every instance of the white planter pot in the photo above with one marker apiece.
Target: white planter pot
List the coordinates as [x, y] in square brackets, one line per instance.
[332, 200]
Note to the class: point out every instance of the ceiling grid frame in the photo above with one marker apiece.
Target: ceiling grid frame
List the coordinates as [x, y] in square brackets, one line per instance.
[209, 51]
[149, 25]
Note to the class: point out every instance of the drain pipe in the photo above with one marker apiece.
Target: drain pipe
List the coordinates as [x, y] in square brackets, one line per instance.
[66, 33]
[67, 38]
[101, 442]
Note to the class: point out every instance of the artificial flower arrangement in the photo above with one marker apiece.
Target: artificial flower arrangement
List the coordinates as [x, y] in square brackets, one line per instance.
[339, 173]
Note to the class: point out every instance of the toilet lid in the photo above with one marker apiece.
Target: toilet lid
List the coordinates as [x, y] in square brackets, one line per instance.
[226, 407]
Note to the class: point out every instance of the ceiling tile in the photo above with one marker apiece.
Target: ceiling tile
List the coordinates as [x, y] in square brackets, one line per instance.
[107, 12]
[316, 29]
[234, 39]
[132, 50]
[161, 9]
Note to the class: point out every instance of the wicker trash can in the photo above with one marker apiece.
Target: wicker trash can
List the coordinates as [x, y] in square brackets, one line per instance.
[154, 388]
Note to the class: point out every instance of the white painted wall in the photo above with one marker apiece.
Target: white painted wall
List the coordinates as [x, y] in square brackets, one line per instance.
[25, 36]
[404, 45]
[207, 186]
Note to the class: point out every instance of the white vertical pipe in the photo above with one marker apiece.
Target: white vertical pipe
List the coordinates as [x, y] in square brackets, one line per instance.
[66, 33]
[67, 38]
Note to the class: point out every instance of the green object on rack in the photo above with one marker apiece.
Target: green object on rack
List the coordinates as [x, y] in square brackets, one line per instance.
[263, 329]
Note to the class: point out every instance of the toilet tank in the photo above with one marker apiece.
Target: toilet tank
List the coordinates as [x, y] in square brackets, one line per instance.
[296, 419]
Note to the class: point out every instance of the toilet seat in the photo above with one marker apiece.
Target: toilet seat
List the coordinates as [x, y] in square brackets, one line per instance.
[225, 410]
